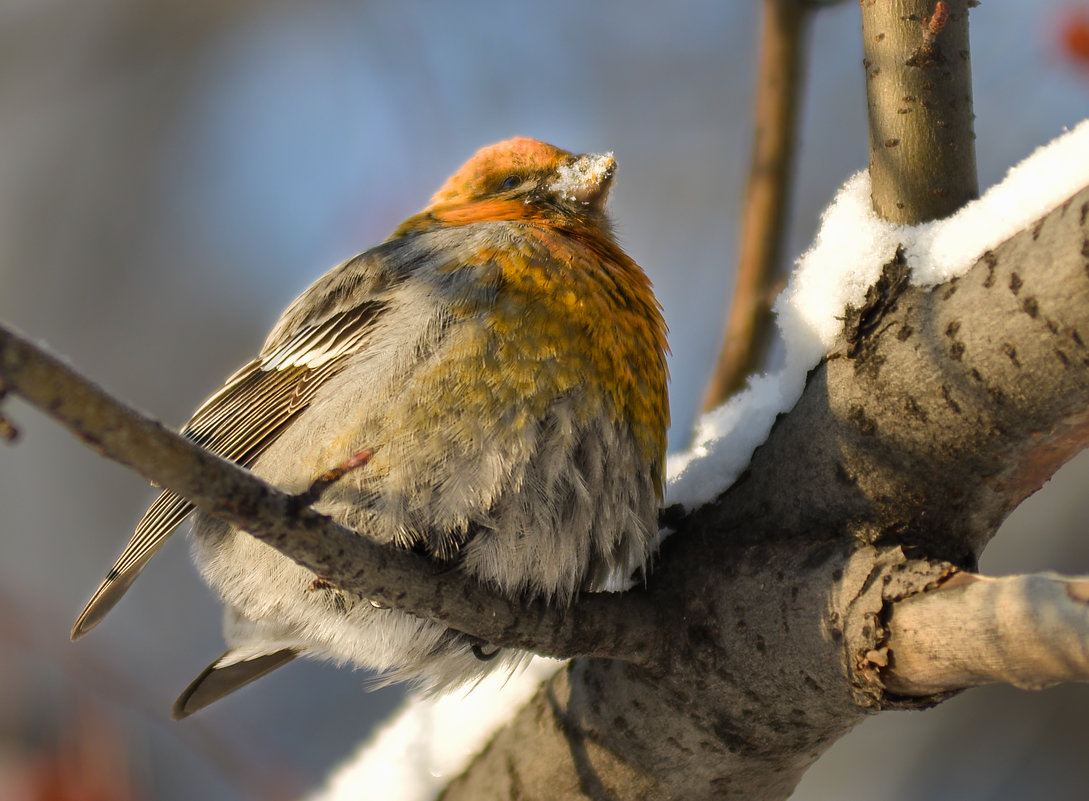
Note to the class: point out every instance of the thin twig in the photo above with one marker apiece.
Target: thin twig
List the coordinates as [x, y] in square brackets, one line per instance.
[313, 493]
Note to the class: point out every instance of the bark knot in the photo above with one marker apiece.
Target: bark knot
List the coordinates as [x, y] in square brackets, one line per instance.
[863, 324]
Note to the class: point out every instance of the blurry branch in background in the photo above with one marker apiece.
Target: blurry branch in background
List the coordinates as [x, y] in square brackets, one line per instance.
[763, 230]
[612, 625]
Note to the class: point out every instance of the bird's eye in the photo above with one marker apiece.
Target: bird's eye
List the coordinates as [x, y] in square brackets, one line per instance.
[510, 182]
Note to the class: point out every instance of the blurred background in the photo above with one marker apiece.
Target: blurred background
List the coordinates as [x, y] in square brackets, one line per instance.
[173, 174]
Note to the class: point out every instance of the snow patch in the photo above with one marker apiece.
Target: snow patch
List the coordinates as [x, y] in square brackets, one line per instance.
[432, 739]
[851, 248]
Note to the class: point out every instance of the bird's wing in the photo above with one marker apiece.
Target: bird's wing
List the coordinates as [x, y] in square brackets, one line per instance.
[226, 675]
[254, 406]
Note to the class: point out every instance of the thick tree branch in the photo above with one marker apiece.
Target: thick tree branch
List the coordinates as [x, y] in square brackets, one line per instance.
[943, 408]
[1031, 631]
[917, 435]
[620, 626]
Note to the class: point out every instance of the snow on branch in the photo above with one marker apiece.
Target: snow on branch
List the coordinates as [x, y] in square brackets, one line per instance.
[847, 258]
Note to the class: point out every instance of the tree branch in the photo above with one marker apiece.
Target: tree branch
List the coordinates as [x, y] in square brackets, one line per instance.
[619, 626]
[943, 408]
[1031, 631]
[750, 325]
[919, 92]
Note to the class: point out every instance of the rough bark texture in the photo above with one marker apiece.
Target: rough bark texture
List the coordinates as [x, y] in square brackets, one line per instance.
[919, 91]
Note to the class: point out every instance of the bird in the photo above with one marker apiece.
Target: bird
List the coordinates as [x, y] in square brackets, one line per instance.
[501, 362]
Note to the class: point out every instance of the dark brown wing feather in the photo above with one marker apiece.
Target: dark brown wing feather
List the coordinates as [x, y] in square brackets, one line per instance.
[216, 681]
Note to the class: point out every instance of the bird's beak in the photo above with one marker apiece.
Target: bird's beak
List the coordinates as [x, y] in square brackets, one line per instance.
[586, 180]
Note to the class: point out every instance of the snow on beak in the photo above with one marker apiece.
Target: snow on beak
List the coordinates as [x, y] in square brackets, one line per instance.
[586, 180]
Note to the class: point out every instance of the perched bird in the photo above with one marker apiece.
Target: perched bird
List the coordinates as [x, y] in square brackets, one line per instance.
[502, 361]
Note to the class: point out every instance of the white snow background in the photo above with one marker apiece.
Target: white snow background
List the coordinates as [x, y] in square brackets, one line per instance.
[432, 740]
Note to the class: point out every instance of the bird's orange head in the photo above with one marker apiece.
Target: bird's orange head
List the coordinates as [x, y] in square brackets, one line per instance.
[521, 179]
